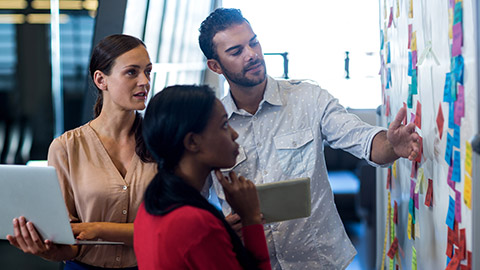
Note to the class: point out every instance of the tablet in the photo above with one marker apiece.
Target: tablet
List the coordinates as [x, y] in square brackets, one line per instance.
[34, 192]
[285, 200]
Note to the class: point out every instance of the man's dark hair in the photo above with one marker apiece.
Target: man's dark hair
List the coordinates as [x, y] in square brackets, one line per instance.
[219, 20]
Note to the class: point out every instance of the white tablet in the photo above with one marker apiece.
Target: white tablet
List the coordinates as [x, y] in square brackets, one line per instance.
[285, 200]
[34, 192]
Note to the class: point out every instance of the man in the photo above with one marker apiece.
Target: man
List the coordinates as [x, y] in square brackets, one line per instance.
[282, 126]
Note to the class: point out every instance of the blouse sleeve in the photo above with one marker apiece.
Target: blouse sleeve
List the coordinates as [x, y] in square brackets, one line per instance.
[256, 243]
[58, 158]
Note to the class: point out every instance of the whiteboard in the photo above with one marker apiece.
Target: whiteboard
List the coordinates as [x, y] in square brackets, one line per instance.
[430, 21]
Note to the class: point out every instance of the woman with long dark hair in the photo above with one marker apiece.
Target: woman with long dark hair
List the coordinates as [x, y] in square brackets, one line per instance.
[187, 132]
[103, 166]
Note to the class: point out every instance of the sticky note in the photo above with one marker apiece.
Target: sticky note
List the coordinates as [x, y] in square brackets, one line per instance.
[388, 53]
[389, 178]
[414, 258]
[451, 213]
[420, 153]
[382, 40]
[415, 200]
[457, 39]
[462, 245]
[395, 212]
[459, 110]
[450, 22]
[409, 226]
[390, 18]
[410, 9]
[413, 173]
[467, 191]
[468, 158]
[409, 70]
[417, 230]
[394, 169]
[457, 16]
[458, 206]
[447, 88]
[397, 14]
[451, 115]
[414, 63]
[429, 195]
[419, 180]
[456, 136]
[410, 97]
[458, 69]
[449, 149]
[413, 46]
[387, 109]
[456, 166]
[440, 121]
[418, 115]
[409, 37]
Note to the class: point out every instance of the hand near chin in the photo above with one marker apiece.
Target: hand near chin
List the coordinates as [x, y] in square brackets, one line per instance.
[242, 196]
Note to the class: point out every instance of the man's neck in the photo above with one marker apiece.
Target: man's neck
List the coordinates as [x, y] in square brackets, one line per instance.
[248, 98]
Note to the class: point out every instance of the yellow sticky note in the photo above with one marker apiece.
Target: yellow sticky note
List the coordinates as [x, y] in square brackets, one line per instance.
[417, 229]
[409, 226]
[414, 258]
[398, 9]
[394, 169]
[468, 158]
[413, 41]
[467, 191]
[450, 23]
[385, 9]
[410, 9]
[419, 179]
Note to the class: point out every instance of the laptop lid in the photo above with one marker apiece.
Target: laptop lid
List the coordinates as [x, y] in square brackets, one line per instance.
[34, 192]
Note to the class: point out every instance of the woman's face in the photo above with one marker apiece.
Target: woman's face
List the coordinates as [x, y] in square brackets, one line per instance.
[128, 84]
[218, 148]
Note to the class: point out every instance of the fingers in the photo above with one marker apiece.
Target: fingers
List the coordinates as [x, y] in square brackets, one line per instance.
[26, 237]
[398, 118]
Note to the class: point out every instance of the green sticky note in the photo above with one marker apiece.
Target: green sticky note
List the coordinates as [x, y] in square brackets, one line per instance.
[414, 258]
[457, 17]
[414, 82]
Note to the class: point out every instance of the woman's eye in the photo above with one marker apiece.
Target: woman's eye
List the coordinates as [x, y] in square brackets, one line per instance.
[132, 72]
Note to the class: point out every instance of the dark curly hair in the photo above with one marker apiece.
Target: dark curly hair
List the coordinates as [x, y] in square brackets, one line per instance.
[219, 20]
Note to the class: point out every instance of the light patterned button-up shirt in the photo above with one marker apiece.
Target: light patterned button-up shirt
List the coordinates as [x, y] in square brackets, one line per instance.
[284, 140]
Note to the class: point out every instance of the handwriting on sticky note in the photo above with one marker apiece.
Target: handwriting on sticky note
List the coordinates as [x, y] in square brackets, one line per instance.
[451, 213]
[457, 39]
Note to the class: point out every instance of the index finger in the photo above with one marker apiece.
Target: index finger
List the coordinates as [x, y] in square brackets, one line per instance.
[398, 118]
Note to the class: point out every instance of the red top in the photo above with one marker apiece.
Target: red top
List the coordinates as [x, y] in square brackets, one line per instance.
[192, 238]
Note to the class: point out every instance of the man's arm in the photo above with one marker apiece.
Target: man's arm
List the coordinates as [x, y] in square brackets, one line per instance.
[398, 141]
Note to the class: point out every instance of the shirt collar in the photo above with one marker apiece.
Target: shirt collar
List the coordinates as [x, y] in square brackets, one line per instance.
[271, 96]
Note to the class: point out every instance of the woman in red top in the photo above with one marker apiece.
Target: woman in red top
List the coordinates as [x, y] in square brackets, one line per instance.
[187, 132]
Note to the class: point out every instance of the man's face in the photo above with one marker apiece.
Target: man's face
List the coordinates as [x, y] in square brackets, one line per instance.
[240, 56]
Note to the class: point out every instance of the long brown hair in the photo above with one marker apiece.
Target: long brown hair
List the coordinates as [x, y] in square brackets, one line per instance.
[103, 58]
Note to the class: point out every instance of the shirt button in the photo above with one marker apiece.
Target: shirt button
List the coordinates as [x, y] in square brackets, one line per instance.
[124, 212]
[294, 144]
[125, 187]
[117, 258]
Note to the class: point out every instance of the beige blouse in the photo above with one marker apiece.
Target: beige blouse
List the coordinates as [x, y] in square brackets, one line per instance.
[95, 191]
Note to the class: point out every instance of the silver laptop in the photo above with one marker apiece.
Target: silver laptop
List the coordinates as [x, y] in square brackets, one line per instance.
[34, 192]
[285, 200]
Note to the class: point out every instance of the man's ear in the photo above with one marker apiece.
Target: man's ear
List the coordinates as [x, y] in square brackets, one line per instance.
[214, 66]
[99, 78]
[191, 142]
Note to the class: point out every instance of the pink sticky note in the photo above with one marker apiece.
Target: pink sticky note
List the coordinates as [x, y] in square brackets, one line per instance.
[418, 115]
[412, 117]
[409, 34]
[390, 19]
[458, 206]
[459, 110]
[414, 59]
[457, 39]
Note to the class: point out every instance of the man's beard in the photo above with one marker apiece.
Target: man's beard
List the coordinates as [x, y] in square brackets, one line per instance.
[241, 79]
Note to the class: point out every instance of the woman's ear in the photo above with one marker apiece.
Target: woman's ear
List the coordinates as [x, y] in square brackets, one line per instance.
[99, 78]
[191, 142]
[214, 66]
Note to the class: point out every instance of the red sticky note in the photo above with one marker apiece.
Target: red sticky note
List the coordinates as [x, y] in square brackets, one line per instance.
[395, 213]
[405, 118]
[413, 174]
[440, 121]
[454, 263]
[462, 245]
[449, 249]
[389, 177]
[429, 195]
[418, 115]
[390, 19]
[393, 248]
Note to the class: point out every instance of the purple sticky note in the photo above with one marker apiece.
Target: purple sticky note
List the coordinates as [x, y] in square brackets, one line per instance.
[458, 206]
[415, 199]
[450, 182]
[412, 117]
[459, 110]
[457, 39]
[412, 188]
[451, 213]
[414, 59]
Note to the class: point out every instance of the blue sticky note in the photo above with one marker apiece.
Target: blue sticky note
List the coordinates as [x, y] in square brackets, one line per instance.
[451, 213]
[409, 63]
[388, 53]
[410, 97]
[449, 149]
[457, 17]
[451, 115]
[381, 39]
[414, 82]
[411, 206]
[447, 88]
[456, 136]
[448, 260]
[456, 166]
[453, 87]
[459, 69]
